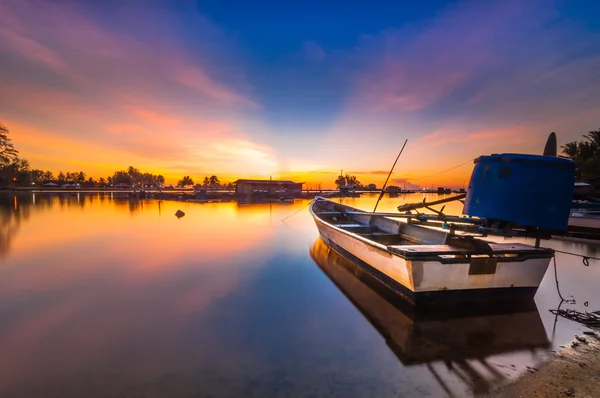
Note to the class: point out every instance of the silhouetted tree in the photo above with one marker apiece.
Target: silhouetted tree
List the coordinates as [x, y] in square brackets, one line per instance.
[121, 177]
[214, 181]
[206, 182]
[586, 154]
[185, 181]
[352, 180]
[81, 177]
[8, 153]
[61, 176]
[135, 175]
[48, 175]
[37, 176]
[347, 180]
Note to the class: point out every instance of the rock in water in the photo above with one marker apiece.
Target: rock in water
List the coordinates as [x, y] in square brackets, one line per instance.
[179, 214]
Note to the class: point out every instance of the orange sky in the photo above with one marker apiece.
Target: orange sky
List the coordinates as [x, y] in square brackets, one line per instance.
[83, 90]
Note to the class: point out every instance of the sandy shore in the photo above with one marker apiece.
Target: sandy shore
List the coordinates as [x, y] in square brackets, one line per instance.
[573, 372]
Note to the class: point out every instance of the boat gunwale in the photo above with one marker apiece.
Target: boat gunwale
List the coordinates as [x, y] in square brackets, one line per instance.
[536, 253]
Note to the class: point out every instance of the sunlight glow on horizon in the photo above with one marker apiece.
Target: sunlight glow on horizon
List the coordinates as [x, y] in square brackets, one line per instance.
[181, 91]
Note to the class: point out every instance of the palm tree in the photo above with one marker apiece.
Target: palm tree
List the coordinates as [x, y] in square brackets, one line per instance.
[586, 154]
[570, 149]
[214, 181]
[206, 182]
[185, 181]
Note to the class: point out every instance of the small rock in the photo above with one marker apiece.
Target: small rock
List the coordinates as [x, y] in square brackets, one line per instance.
[179, 214]
[589, 333]
[574, 344]
[570, 392]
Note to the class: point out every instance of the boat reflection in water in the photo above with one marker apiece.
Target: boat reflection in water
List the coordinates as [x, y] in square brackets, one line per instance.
[461, 339]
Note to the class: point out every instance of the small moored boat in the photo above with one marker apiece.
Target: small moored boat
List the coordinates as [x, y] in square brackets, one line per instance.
[426, 265]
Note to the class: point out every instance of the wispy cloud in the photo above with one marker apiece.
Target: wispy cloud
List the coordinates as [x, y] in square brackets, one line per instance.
[479, 77]
[73, 77]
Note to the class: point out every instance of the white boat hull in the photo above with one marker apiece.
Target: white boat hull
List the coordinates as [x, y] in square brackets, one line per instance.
[512, 276]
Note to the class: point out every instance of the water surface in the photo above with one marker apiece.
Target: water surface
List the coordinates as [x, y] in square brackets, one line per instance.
[102, 295]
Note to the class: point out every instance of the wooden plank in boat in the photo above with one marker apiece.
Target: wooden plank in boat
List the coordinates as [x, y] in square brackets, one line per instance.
[498, 248]
[516, 247]
[429, 249]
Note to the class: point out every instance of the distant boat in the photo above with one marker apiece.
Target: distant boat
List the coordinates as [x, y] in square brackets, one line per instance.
[429, 266]
[584, 221]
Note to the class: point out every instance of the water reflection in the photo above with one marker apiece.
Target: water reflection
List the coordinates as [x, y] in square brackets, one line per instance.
[463, 339]
[104, 296]
[11, 214]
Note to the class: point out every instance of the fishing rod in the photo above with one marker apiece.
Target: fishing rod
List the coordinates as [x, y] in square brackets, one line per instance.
[388, 177]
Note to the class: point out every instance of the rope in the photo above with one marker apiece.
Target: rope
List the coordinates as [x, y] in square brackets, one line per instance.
[297, 211]
[562, 299]
[443, 171]
[586, 259]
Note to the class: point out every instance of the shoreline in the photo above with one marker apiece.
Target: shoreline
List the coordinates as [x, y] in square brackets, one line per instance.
[574, 371]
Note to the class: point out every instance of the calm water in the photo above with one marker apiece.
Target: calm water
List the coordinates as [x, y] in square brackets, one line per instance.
[106, 296]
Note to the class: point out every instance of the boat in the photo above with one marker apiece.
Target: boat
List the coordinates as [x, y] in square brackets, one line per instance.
[460, 341]
[430, 266]
[583, 223]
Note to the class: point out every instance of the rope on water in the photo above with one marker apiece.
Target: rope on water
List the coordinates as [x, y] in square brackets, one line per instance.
[585, 259]
[562, 299]
[297, 211]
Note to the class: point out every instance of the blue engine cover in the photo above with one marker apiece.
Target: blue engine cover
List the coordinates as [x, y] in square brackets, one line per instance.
[529, 190]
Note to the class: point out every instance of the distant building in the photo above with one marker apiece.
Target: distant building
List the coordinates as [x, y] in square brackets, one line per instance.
[371, 187]
[393, 189]
[284, 187]
[442, 190]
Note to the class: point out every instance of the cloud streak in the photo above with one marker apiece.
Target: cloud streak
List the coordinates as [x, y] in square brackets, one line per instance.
[115, 88]
[479, 77]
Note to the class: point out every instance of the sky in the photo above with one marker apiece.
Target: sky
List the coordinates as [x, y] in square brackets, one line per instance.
[295, 90]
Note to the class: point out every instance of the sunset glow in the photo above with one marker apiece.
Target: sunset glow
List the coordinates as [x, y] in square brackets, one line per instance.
[193, 89]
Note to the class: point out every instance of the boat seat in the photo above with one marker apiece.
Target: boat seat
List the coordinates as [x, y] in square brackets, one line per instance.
[429, 249]
[346, 226]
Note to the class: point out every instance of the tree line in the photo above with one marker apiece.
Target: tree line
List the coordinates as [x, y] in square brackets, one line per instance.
[211, 182]
[17, 171]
